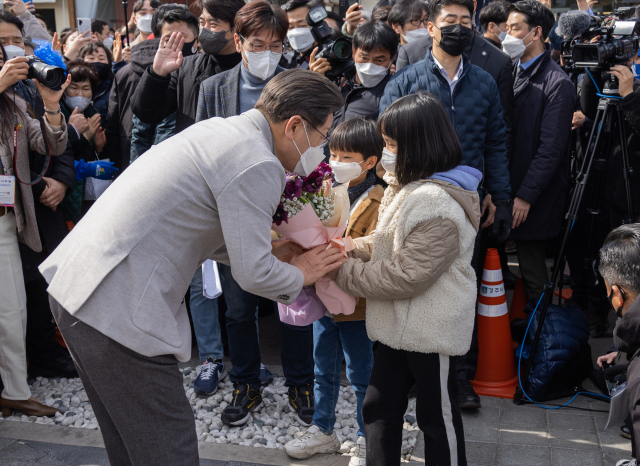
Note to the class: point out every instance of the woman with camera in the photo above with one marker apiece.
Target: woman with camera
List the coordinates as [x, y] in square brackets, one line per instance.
[19, 132]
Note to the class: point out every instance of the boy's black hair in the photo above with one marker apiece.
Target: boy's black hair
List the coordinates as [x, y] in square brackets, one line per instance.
[495, 12]
[536, 14]
[224, 10]
[406, 10]
[427, 142]
[174, 14]
[434, 7]
[357, 135]
[371, 36]
[336, 17]
[140, 3]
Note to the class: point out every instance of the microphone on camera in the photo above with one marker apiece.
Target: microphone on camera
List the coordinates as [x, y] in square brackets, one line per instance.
[573, 23]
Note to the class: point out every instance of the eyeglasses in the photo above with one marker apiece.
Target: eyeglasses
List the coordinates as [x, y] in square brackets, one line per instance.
[325, 139]
[418, 22]
[261, 48]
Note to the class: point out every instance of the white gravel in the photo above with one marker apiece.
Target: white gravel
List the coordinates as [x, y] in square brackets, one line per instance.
[272, 425]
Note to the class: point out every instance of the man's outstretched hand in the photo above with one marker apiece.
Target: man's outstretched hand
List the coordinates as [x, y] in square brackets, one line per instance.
[317, 262]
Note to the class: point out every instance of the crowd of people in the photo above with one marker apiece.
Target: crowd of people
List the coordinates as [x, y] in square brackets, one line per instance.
[456, 130]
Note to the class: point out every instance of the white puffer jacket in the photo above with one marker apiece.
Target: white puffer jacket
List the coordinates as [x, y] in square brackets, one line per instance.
[419, 284]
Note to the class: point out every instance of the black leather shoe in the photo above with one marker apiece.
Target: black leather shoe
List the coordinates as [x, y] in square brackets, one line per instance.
[59, 367]
[467, 397]
[624, 431]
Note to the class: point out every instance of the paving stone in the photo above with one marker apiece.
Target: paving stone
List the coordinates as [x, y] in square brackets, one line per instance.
[475, 432]
[614, 442]
[4, 442]
[571, 422]
[20, 452]
[490, 402]
[506, 403]
[564, 457]
[523, 418]
[523, 455]
[486, 416]
[601, 422]
[580, 402]
[58, 451]
[204, 462]
[481, 454]
[51, 461]
[573, 439]
[524, 436]
[93, 456]
[611, 457]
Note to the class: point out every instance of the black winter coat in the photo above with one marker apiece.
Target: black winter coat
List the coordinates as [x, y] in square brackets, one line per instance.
[158, 97]
[626, 337]
[359, 101]
[51, 224]
[120, 124]
[543, 106]
[614, 190]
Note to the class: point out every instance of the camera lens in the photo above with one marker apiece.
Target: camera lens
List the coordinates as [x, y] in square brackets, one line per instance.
[48, 75]
[342, 50]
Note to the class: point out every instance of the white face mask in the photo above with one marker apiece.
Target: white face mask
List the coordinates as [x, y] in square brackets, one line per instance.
[515, 47]
[13, 51]
[144, 23]
[300, 39]
[108, 42]
[502, 34]
[78, 101]
[344, 172]
[289, 55]
[416, 34]
[262, 64]
[389, 161]
[370, 75]
[310, 159]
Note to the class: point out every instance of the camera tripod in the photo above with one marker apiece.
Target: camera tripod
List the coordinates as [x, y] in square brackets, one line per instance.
[609, 119]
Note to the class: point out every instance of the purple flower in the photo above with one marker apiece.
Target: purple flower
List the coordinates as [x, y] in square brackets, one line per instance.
[293, 188]
[281, 215]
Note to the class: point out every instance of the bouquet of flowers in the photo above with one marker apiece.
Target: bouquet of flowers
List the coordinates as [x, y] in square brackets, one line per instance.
[311, 212]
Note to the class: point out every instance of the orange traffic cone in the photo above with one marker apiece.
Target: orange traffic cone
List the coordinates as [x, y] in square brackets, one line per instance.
[518, 302]
[496, 374]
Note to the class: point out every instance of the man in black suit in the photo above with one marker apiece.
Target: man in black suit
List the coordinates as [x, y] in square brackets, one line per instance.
[498, 64]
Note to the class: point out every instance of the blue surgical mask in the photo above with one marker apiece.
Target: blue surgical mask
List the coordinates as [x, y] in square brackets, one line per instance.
[636, 70]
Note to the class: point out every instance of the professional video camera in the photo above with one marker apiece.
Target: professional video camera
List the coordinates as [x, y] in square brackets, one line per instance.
[48, 75]
[616, 39]
[337, 52]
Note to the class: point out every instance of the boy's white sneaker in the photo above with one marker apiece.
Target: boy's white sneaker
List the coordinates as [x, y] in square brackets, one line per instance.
[359, 457]
[311, 442]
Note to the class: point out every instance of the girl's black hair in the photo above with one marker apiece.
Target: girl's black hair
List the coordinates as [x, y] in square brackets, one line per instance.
[357, 135]
[427, 142]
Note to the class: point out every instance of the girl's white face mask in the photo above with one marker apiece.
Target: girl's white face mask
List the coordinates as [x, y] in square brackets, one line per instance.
[389, 161]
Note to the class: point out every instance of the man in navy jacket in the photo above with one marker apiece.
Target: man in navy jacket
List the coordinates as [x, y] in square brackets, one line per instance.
[472, 100]
[544, 102]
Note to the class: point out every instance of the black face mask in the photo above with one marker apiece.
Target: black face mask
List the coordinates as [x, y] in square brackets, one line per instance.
[103, 70]
[212, 43]
[455, 39]
[610, 298]
[187, 48]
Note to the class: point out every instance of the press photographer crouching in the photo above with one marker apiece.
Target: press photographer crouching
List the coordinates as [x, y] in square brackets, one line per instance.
[374, 49]
[619, 262]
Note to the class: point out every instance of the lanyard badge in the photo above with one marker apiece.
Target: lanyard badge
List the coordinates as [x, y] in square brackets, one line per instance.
[7, 191]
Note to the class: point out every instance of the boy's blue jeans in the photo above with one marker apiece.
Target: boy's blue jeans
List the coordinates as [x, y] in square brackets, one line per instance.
[334, 342]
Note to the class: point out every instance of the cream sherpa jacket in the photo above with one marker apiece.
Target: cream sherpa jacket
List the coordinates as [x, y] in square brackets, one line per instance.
[419, 283]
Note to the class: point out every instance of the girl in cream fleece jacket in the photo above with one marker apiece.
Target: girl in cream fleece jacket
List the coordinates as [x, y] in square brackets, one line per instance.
[415, 272]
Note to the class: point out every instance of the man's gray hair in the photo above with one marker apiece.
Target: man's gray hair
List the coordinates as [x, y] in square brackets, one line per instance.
[620, 258]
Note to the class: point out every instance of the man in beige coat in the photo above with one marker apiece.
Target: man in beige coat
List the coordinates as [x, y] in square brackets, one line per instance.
[117, 282]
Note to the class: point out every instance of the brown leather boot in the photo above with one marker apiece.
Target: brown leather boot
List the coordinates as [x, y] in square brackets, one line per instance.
[30, 407]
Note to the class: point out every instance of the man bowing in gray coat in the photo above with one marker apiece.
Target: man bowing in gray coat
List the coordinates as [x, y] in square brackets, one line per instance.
[117, 282]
